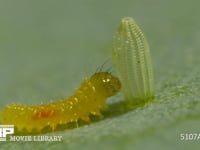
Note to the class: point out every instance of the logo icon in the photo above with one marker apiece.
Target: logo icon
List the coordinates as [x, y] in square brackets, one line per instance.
[5, 130]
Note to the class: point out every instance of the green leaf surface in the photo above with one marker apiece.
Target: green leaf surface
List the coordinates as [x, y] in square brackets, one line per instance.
[48, 47]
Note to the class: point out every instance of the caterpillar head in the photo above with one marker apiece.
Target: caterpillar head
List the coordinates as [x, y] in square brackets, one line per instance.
[106, 83]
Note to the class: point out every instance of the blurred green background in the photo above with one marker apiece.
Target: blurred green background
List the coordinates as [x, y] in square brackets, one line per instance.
[48, 47]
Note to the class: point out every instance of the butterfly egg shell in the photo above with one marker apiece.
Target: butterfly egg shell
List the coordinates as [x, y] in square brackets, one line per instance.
[132, 61]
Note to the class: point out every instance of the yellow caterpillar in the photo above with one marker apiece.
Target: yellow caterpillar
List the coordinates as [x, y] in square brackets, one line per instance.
[90, 98]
